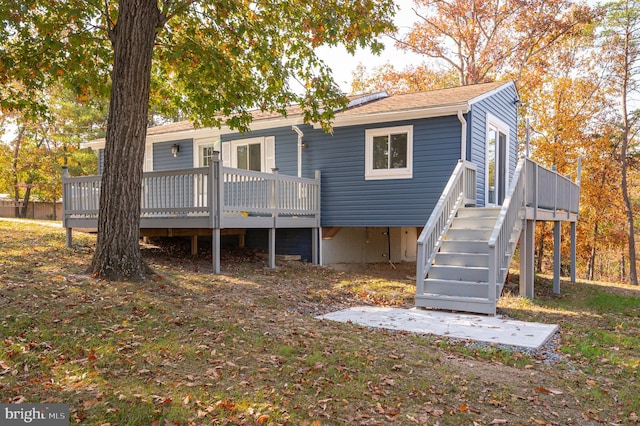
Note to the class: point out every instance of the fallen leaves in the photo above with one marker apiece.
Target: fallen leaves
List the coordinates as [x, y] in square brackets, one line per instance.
[242, 349]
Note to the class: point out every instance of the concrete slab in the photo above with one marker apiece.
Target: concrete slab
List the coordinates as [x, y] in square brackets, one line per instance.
[496, 329]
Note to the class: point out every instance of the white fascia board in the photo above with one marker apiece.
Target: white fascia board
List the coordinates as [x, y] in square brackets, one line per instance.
[267, 123]
[206, 132]
[353, 120]
[494, 91]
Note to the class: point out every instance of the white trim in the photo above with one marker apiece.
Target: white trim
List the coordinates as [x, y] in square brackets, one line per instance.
[463, 136]
[148, 158]
[198, 144]
[358, 119]
[494, 91]
[267, 151]
[266, 123]
[502, 127]
[404, 173]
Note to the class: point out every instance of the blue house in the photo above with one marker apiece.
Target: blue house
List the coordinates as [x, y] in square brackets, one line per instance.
[369, 191]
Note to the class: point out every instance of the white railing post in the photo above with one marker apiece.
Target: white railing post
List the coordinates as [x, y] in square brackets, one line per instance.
[215, 196]
[420, 268]
[275, 201]
[493, 276]
[316, 203]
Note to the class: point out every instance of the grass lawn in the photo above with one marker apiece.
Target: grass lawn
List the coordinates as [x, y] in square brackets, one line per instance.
[244, 347]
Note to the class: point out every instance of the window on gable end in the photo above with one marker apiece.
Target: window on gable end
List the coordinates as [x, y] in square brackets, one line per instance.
[389, 153]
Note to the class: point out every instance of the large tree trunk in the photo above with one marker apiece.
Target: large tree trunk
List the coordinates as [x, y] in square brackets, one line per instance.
[117, 254]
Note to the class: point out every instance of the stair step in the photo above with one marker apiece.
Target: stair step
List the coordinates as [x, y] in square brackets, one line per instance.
[468, 234]
[455, 303]
[473, 223]
[479, 212]
[479, 247]
[459, 273]
[462, 259]
[458, 288]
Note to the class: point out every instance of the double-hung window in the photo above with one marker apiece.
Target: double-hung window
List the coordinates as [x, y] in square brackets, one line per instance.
[389, 153]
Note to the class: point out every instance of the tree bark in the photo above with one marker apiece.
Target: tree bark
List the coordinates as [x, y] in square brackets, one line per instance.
[591, 267]
[117, 254]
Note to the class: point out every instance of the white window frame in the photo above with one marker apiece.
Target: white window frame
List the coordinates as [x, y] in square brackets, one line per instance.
[502, 127]
[400, 173]
[267, 152]
[199, 144]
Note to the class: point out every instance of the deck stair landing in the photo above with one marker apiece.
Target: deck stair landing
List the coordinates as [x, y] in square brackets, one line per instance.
[458, 279]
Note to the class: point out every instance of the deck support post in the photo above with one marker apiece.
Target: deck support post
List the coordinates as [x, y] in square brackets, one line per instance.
[194, 245]
[215, 250]
[527, 259]
[573, 252]
[314, 245]
[68, 239]
[557, 225]
[272, 248]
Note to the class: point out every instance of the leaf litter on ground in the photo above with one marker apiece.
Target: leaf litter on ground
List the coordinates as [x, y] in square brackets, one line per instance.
[244, 347]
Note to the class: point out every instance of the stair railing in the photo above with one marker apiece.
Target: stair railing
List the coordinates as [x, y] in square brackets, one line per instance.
[460, 190]
[500, 248]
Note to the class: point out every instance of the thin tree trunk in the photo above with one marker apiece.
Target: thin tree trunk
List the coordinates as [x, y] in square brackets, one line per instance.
[633, 277]
[592, 258]
[626, 82]
[14, 170]
[117, 254]
[25, 202]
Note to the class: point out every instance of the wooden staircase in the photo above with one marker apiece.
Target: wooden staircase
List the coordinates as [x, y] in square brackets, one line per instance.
[459, 277]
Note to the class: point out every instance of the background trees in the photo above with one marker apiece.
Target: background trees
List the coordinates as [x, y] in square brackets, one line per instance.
[621, 47]
[576, 68]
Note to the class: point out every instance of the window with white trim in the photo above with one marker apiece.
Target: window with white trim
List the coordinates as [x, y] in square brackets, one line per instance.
[203, 150]
[389, 153]
[257, 154]
[206, 155]
[497, 160]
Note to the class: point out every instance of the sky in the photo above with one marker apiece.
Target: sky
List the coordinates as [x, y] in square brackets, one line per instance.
[343, 64]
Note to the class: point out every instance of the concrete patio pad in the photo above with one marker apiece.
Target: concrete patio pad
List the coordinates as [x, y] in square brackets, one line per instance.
[452, 325]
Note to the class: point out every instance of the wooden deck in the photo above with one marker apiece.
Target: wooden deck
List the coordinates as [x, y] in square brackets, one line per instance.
[205, 201]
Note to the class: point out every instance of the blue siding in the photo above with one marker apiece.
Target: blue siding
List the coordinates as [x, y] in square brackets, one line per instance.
[286, 147]
[163, 159]
[501, 105]
[350, 200]
[288, 241]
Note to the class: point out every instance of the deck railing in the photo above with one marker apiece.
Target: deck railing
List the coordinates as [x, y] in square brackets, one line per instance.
[534, 189]
[548, 190]
[501, 244]
[460, 190]
[213, 192]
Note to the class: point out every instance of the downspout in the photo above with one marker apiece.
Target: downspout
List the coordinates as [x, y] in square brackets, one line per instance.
[463, 137]
[300, 135]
